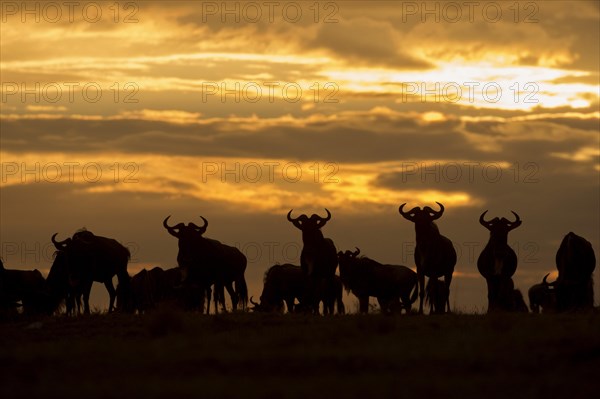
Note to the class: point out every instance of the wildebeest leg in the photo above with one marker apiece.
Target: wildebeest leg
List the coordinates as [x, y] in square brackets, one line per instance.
[341, 309]
[383, 304]
[86, 288]
[205, 297]
[421, 278]
[112, 294]
[448, 280]
[289, 302]
[70, 303]
[363, 304]
[232, 295]
[220, 297]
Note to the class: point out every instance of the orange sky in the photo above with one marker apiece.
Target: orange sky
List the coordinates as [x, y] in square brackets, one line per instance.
[115, 115]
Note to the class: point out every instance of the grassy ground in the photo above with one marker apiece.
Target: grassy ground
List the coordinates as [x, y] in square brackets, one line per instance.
[171, 354]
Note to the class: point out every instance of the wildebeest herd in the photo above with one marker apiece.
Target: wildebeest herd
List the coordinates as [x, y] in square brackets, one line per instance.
[207, 267]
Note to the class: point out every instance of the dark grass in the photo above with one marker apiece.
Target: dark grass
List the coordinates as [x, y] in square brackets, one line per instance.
[173, 354]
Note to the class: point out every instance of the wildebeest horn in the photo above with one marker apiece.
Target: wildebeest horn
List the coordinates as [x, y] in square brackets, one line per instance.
[401, 210]
[166, 225]
[321, 221]
[517, 221]
[289, 216]
[438, 214]
[357, 252]
[59, 244]
[171, 229]
[546, 282]
[200, 229]
[254, 303]
[482, 220]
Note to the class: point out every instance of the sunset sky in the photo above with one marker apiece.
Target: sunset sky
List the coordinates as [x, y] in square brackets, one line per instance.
[117, 114]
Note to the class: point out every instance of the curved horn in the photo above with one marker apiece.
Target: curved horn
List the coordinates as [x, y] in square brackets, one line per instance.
[59, 244]
[289, 216]
[171, 229]
[254, 303]
[201, 229]
[438, 214]
[546, 283]
[321, 221]
[401, 210]
[482, 220]
[355, 254]
[166, 225]
[517, 221]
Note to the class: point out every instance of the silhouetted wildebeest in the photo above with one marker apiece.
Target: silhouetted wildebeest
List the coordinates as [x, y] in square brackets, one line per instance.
[206, 262]
[281, 284]
[24, 286]
[434, 254]
[318, 260]
[390, 284]
[85, 258]
[542, 297]
[287, 283]
[498, 262]
[151, 287]
[575, 261]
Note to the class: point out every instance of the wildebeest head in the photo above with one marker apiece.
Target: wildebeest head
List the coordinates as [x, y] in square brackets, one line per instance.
[500, 226]
[306, 224]
[61, 245]
[188, 237]
[181, 231]
[347, 261]
[421, 216]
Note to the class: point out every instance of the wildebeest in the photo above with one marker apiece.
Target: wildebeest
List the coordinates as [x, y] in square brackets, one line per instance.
[151, 287]
[206, 262]
[498, 262]
[434, 254]
[24, 286]
[575, 261]
[390, 284]
[281, 284]
[85, 258]
[287, 283]
[542, 296]
[318, 260]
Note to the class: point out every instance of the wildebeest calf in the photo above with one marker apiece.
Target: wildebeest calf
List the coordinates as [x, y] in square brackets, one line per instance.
[390, 284]
[24, 286]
